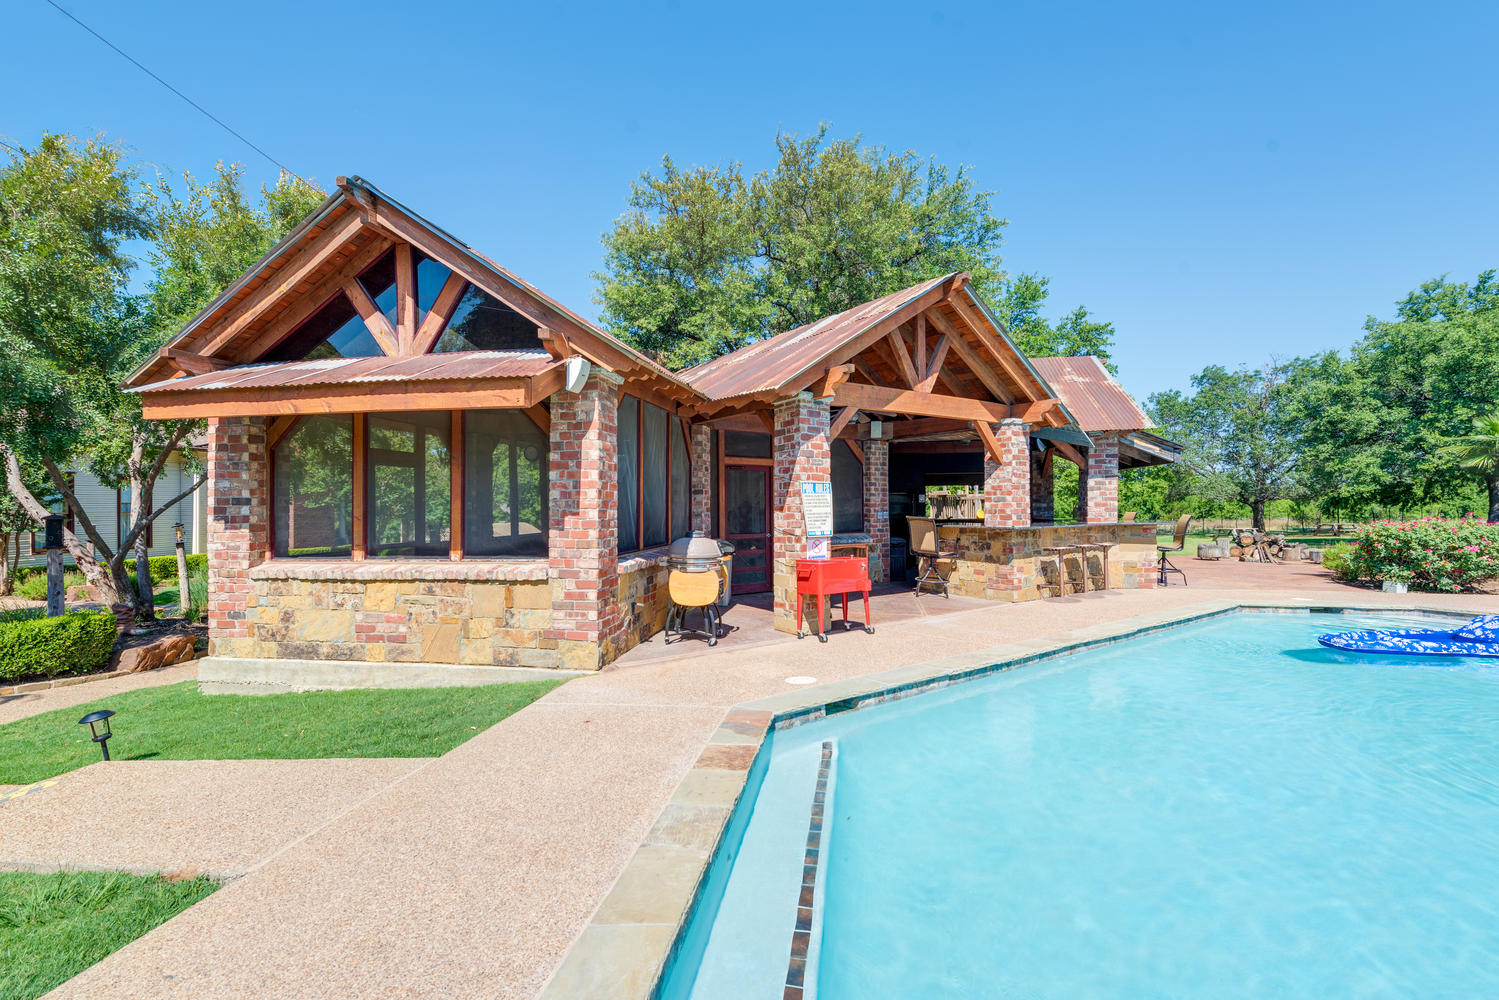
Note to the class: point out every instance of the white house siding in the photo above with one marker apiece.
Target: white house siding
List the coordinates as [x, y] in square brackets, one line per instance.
[102, 503]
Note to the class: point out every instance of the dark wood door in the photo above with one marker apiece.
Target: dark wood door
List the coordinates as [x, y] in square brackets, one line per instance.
[747, 524]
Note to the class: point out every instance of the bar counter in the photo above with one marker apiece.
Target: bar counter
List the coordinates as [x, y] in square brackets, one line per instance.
[1010, 564]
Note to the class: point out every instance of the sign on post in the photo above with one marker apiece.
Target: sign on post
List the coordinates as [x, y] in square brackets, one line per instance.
[817, 516]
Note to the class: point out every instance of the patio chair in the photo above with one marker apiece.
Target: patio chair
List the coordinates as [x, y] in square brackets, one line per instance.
[1178, 542]
[930, 548]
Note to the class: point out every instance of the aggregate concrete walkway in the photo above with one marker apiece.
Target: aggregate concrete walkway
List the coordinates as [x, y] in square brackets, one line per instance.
[470, 877]
[211, 817]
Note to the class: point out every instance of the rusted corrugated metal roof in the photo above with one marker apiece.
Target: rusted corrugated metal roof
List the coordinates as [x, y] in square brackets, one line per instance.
[1095, 400]
[328, 371]
[767, 364]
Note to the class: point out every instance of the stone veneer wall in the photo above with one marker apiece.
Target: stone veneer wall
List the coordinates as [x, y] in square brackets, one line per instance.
[318, 612]
[1009, 565]
[643, 600]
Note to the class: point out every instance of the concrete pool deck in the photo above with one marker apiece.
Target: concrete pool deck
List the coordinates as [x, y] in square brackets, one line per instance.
[473, 875]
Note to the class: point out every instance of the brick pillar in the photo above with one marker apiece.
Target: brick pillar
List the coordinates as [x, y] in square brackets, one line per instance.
[702, 479]
[1043, 487]
[1007, 484]
[584, 521]
[877, 506]
[1098, 485]
[238, 533]
[801, 456]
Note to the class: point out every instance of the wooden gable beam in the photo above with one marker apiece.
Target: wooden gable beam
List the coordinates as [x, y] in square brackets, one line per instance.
[379, 326]
[878, 399]
[436, 320]
[831, 380]
[555, 343]
[192, 364]
[541, 313]
[991, 443]
[405, 297]
[253, 306]
[1005, 355]
[1031, 413]
[934, 366]
[904, 364]
[960, 346]
[844, 418]
[299, 311]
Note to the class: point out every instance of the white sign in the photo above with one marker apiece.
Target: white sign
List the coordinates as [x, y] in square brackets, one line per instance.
[817, 509]
[817, 515]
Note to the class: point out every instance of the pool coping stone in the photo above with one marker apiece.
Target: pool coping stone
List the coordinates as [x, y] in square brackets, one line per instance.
[628, 944]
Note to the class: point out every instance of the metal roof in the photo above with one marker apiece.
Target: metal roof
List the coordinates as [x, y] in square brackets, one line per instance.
[328, 371]
[1095, 400]
[766, 364]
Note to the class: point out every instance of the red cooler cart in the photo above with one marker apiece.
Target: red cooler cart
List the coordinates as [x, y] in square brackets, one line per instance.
[821, 578]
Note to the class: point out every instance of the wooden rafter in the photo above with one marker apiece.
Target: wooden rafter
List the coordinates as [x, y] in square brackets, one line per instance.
[1070, 453]
[555, 343]
[904, 364]
[975, 362]
[831, 380]
[1032, 413]
[304, 306]
[379, 326]
[254, 305]
[438, 316]
[934, 364]
[995, 347]
[920, 354]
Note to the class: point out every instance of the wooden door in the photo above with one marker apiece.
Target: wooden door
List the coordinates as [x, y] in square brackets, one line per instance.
[747, 523]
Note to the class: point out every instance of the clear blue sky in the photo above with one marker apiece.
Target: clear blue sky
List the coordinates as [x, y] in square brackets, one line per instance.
[1223, 184]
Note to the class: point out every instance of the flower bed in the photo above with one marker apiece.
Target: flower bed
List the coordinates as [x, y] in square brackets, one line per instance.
[1432, 553]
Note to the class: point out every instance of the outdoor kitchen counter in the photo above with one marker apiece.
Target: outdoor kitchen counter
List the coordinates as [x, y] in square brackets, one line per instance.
[1011, 564]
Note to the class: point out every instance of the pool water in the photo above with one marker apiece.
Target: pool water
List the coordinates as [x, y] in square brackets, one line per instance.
[1223, 809]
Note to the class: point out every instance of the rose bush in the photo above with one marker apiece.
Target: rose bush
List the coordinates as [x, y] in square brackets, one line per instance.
[1432, 553]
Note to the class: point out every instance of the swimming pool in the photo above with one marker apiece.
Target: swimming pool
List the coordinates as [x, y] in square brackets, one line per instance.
[1219, 809]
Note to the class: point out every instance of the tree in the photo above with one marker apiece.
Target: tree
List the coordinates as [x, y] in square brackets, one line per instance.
[1382, 430]
[1241, 430]
[70, 333]
[1479, 452]
[706, 260]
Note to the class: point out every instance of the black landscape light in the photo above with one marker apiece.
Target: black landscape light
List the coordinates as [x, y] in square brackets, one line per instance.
[96, 720]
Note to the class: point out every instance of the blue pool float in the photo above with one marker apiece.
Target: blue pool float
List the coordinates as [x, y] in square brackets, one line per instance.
[1480, 637]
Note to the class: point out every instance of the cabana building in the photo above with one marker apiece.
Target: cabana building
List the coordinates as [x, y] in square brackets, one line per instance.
[420, 465]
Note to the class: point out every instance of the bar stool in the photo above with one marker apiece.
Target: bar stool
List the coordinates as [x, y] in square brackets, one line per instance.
[1062, 552]
[1102, 548]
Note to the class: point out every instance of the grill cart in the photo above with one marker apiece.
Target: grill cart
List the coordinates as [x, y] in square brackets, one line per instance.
[699, 574]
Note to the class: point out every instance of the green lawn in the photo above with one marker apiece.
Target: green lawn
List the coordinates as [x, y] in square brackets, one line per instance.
[176, 722]
[54, 926]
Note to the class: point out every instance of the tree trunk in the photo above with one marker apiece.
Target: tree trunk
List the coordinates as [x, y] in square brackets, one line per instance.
[1494, 499]
[96, 573]
[140, 513]
[1257, 508]
[8, 540]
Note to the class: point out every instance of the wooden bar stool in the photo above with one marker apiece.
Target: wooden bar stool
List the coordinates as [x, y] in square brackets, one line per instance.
[1102, 548]
[1062, 552]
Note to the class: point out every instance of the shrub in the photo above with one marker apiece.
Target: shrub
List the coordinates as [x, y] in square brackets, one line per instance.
[33, 586]
[1432, 553]
[78, 642]
[1338, 560]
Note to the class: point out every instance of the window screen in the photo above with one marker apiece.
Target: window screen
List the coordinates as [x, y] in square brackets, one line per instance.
[848, 489]
[504, 484]
[629, 473]
[654, 450]
[409, 484]
[312, 492]
[681, 481]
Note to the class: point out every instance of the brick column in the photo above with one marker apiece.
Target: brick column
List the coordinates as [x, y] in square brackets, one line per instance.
[1098, 485]
[702, 479]
[801, 456]
[238, 534]
[584, 520]
[1007, 483]
[877, 506]
[1043, 487]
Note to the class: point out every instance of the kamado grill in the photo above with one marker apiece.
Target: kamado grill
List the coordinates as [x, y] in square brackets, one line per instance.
[699, 575]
